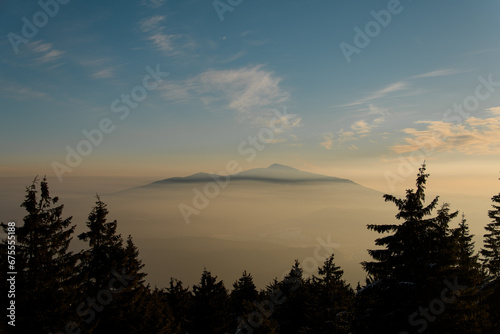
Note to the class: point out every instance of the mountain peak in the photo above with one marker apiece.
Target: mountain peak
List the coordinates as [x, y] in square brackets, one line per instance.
[275, 173]
[280, 166]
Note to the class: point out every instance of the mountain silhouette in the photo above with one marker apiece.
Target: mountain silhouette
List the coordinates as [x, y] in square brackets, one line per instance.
[275, 173]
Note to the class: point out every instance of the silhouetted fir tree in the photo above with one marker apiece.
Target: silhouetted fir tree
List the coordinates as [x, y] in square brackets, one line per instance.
[411, 268]
[257, 317]
[148, 313]
[46, 281]
[133, 264]
[491, 250]
[131, 303]
[157, 317]
[210, 312]
[330, 305]
[293, 291]
[466, 257]
[465, 314]
[400, 266]
[101, 264]
[179, 300]
[243, 297]
[442, 250]
[250, 310]
[491, 261]
[106, 249]
[491, 294]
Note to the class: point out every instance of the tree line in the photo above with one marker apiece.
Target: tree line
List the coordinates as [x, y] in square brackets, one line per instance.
[425, 276]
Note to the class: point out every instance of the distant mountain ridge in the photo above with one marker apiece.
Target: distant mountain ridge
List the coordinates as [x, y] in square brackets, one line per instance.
[275, 173]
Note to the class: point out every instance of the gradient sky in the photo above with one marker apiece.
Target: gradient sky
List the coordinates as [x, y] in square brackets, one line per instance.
[360, 119]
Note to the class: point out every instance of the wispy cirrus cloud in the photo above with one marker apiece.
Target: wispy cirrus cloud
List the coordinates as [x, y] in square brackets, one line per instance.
[399, 86]
[39, 46]
[327, 140]
[282, 123]
[105, 73]
[389, 89]
[394, 87]
[52, 55]
[362, 127]
[48, 53]
[155, 30]
[246, 90]
[358, 129]
[151, 24]
[331, 140]
[20, 92]
[253, 93]
[163, 42]
[100, 68]
[474, 136]
[436, 73]
[375, 110]
[153, 3]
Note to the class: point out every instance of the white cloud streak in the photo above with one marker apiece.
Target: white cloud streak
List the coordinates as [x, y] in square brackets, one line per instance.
[436, 73]
[394, 87]
[49, 54]
[247, 90]
[154, 29]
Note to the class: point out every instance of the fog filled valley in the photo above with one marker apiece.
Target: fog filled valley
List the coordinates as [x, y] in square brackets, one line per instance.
[260, 223]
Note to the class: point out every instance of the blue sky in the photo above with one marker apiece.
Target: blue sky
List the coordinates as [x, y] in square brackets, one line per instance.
[359, 119]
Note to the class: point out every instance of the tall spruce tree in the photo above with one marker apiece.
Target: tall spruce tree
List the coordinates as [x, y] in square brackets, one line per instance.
[491, 262]
[412, 267]
[293, 292]
[46, 279]
[210, 312]
[466, 315]
[105, 252]
[330, 305]
[491, 250]
[400, 265]
[180, 301]
[251, 311]
[101, 264]
[467, 259]
[243, 297]
[130, 307]
[156, 316]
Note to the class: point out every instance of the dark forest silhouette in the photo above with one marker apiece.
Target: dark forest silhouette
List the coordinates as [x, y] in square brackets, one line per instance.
[424, 277]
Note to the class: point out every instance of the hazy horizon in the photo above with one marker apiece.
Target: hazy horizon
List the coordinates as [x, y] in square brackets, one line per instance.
[277, 220]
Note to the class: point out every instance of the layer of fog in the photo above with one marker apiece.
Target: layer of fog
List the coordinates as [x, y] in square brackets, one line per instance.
[260, 227]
